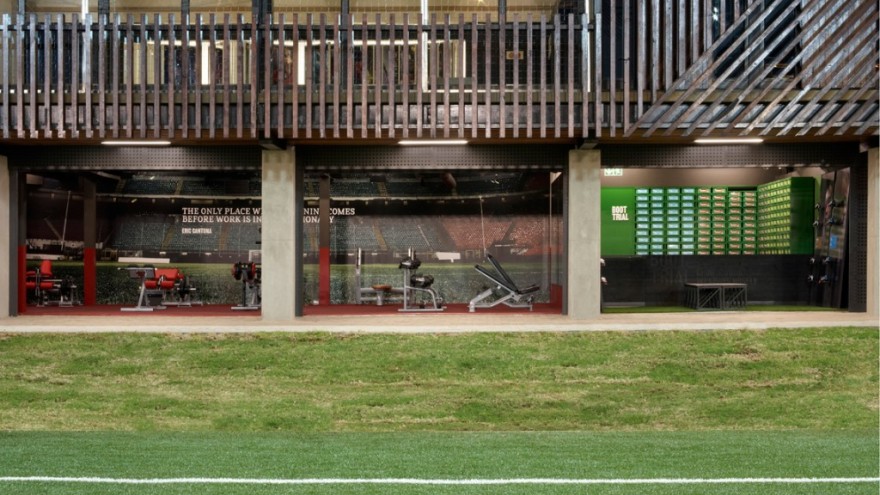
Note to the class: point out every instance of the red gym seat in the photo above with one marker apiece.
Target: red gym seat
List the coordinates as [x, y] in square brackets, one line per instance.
[166, 278]
[39, 282]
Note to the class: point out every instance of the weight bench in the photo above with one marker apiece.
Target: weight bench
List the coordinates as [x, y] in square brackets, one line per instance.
[722, 296]
[48, 289]
[175, 286]
[148, 299]
[504, 286]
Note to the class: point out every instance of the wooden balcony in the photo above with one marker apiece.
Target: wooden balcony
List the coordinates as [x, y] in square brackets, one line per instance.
[628, 71]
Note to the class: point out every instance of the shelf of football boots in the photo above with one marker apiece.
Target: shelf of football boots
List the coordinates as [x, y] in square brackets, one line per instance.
[785, 216]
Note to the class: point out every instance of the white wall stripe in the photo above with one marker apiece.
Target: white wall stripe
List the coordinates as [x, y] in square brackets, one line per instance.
[416, 481]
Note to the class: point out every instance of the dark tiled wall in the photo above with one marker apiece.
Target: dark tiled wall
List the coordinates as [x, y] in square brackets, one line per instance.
[659, 280]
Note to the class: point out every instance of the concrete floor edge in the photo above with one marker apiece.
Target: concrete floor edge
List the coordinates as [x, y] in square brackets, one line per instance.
[441, 324]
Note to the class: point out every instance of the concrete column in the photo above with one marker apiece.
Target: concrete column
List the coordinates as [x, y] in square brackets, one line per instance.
[280, 242]
[583, 289]
[8, 264]
[873, 276]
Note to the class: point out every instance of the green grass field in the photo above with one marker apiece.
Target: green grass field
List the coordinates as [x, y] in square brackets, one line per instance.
[777, 411]
[441, 456]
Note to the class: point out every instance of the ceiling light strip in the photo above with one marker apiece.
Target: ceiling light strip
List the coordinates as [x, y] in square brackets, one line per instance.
[136, 143]
[432, 142]
[728, 141]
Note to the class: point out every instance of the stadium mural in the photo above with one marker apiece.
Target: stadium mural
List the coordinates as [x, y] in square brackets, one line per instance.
[203, 223]
[199, 223]
[449, 221]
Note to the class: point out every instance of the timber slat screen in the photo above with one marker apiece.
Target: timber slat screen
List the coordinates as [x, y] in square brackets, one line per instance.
[630, 69]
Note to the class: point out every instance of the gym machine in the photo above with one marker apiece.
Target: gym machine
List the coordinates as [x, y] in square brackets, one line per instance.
[414, 284]
[49, 290]
[146, 296]
[377, 292]
[249, 275]
[177, 290]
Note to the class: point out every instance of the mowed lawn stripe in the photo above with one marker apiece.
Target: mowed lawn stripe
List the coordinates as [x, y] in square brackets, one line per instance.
[442, 455]
[813, 379]
[438, 482]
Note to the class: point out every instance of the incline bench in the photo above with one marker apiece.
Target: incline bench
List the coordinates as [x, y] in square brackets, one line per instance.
[513, 296]
[716, 295]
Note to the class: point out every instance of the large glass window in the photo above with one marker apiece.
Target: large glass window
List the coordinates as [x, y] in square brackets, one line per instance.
[201, 223]
[451, 220]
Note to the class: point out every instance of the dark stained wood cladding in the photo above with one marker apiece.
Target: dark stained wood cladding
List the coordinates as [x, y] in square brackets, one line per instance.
[643, 70]
[767, 68]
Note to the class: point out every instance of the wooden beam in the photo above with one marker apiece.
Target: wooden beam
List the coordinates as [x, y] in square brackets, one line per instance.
[529, 75]
[487, 84]
[405, 80]
[309, 52]
[213, 73]
[102, 71]
[803, 37]
[515, 89]
[5, 124]
[197, 69]
[856, 37]
[268, 85]
[171, 76]
[392, 81]
[294, 71]
[281, 81]
[59, 75]
[543, 78]
[570, 48]
[461, 71]
[322, 76]
[364, 83]
[502, 66]
[349, 74]
[185, 72]
[227, 80]
[47, 77]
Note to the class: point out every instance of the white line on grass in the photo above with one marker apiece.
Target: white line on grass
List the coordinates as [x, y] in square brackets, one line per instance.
[416, 481]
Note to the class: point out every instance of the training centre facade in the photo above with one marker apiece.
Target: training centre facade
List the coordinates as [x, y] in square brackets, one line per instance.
[683, 142]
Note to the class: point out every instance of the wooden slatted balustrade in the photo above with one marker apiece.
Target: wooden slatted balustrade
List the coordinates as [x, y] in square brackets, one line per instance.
[292, 77]
[652, 69]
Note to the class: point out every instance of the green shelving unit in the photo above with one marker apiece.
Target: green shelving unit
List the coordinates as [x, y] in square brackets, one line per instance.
[657, 212]
[704, 220]
[785, 216]
[681, 220]
[774, 218]
[711, 220]
[643, 221]
[694, 220]
[742, 221]
[719, 220]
